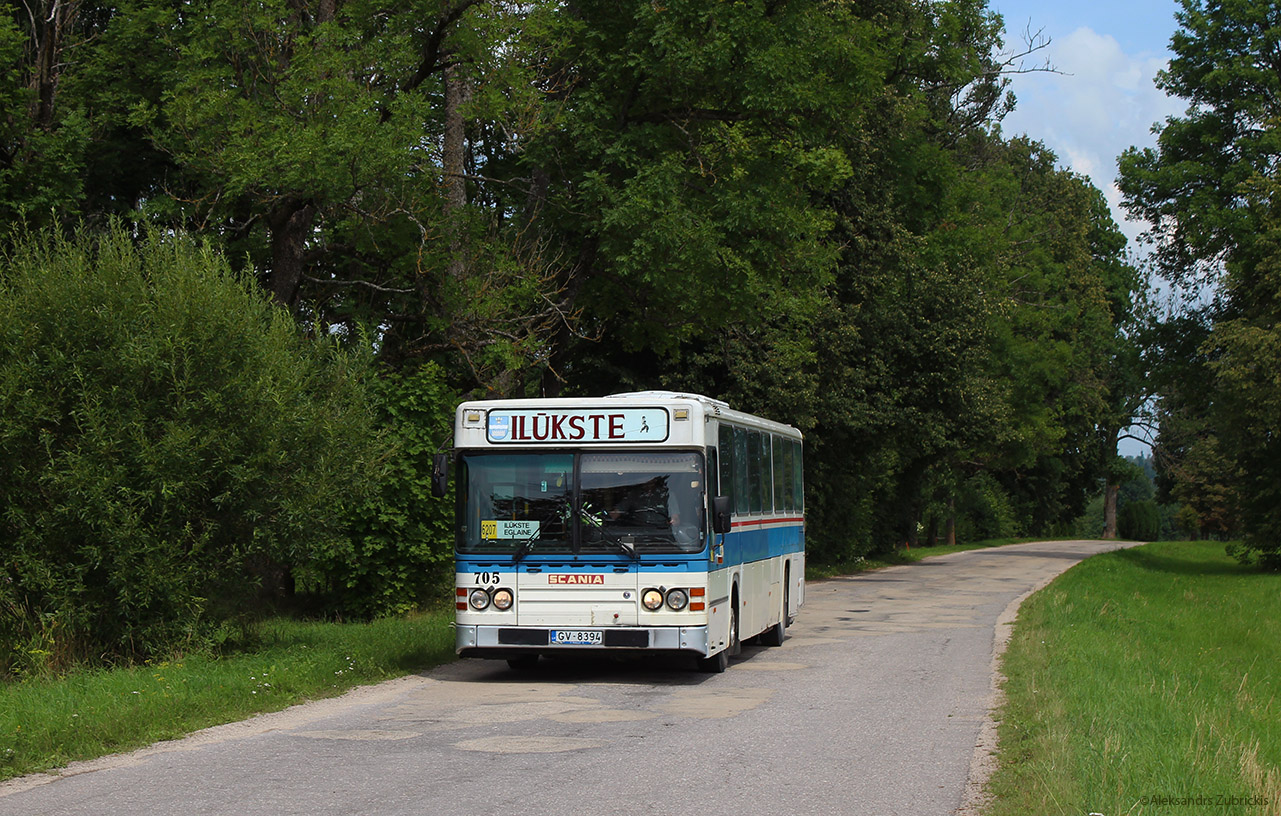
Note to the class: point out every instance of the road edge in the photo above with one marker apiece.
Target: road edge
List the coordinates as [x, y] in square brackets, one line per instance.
[983, 760]
[291, 717]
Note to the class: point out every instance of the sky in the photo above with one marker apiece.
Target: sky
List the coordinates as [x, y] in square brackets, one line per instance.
[1101, 98]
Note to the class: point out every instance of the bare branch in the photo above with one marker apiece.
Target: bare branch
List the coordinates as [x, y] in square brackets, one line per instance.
[367, 284]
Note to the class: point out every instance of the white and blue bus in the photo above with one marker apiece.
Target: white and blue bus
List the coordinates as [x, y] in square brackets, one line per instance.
[642, 522]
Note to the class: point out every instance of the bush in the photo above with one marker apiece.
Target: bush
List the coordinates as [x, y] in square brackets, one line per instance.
[399, 555]
[171, 449]
[1139, 521]
[984, 510]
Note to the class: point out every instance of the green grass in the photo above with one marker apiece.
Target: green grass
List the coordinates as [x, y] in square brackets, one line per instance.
[45, 723]
[1145, 681]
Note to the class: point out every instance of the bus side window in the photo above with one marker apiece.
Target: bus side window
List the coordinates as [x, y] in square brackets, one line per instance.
[742, 496]
[798, 475]
[788, 472]
[759, 471]
[767, 475]
[725, 452]
[780, 473]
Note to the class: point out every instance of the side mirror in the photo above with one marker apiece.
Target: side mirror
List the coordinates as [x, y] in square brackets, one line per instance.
[440, 475]
[721, 511]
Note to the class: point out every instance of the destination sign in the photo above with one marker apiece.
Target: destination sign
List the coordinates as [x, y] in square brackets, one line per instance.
[494, 529]
[557, 427]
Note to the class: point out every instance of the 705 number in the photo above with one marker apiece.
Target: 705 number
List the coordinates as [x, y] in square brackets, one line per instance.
[487, 578]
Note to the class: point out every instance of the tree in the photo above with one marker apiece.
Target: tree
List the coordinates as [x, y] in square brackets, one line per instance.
[343, 147]
[1248, 412]
[172, 449]
[805, 208]
[1190, 187]
[678, 177]
[42, 144]
[1208, 190]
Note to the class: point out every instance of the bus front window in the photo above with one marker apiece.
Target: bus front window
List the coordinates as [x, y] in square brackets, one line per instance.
[650, 501]
[636, 503]
[514, 501]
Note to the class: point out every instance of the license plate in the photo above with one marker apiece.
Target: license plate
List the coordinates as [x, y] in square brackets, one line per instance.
[576, 637]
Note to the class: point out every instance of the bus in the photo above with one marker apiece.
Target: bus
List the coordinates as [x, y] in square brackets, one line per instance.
[633, 523]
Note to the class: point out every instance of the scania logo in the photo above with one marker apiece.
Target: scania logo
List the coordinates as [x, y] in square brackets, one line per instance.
[557, 578]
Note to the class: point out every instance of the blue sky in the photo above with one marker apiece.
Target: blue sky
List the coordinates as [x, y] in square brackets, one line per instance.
[1103, 99]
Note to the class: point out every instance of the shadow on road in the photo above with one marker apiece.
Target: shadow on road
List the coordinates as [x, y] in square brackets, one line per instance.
[638, 670]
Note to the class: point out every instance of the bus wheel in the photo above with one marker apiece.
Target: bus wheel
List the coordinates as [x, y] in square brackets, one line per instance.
[522, 663]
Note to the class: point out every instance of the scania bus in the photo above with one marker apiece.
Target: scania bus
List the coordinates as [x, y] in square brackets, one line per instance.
[633, 523]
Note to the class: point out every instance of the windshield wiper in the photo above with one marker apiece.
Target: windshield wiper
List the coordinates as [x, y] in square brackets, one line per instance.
[628, 549]
[525, 548]
[597, 522]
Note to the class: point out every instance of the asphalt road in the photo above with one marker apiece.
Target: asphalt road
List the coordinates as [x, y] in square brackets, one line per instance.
[874, 705]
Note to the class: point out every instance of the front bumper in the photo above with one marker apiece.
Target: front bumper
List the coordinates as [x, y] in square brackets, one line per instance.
[514, 641]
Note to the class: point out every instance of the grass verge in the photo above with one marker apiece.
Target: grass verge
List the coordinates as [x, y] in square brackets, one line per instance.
[45, 723]
[1144, 681]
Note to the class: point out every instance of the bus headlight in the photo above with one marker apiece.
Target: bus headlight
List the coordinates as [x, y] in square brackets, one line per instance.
[652, 599]
[677, 599]
[503, 599]
[479, 599]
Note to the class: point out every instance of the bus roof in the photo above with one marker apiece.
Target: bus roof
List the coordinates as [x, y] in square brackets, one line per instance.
[669, 395]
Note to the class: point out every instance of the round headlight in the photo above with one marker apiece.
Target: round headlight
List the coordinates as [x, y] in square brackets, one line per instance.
[479, 599]
[503, 599]
[651, 599]
[677, 599]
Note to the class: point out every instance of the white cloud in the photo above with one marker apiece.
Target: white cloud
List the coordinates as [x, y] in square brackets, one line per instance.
[1101, 101]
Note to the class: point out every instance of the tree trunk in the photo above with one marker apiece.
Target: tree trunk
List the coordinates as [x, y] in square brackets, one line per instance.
[1111, 487]
[453, 158]
[290, 224]
[950, 538]
[1109, 510]
[50, 25]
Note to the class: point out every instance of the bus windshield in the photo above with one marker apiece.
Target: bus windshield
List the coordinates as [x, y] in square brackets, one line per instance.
[607, 502]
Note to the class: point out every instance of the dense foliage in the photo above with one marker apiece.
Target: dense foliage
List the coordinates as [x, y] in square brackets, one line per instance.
[805, 208]
[398, 553]
[1140, 521]
[171, 448]
[1209, 189]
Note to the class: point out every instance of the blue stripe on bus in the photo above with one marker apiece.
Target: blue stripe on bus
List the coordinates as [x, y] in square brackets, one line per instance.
[746, 546]
[695, 563]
